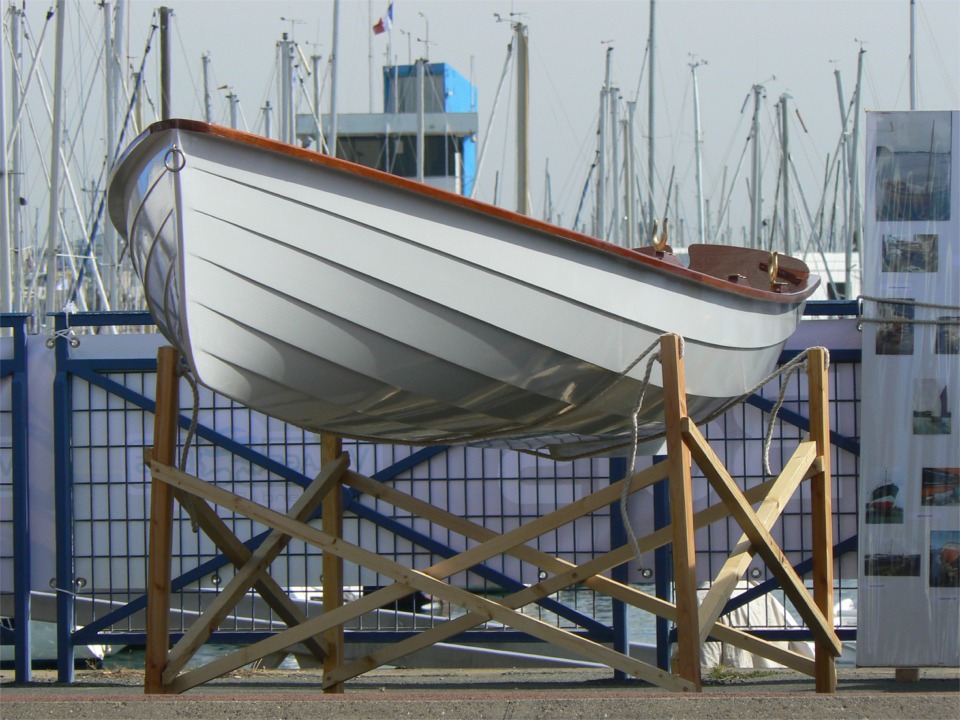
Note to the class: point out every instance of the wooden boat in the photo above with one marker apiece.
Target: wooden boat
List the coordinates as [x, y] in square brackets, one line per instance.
[347, 300]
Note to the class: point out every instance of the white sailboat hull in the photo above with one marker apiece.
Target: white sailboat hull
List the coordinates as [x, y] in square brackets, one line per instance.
[342, 303]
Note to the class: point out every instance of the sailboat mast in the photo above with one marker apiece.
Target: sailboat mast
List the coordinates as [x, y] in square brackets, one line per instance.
[286, 89]
[701, 232]
[853, 237]
[913, 54]
[785, 169]
[630, 178]
[13, 210]
[651, 164]
[615, 163]
[207, 106]
[53, 224]
[523, 111]
[602, 152]
[6, 287]
[109, 233]
[165, 56]
[334, 61]
[755, 240]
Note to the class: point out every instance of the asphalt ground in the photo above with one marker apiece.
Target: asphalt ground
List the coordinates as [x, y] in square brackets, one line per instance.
[516, 694]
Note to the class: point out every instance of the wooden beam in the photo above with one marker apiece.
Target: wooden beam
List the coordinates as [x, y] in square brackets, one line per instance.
[426, 581]
[761, 539]
[822, 512]
[331, 448]
[568, 574]
[681, 510]
[770, 509]
[245, 576]
[238, 554]
[161, 522]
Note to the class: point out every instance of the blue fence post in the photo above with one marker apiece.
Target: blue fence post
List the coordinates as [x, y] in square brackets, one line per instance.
[662, 567]
[63, 502]
[618, 536]
[21, 496]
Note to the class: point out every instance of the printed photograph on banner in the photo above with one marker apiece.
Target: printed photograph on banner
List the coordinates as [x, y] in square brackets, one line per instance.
[883, 507]
[948, 335]
[913, 167]
[895, 337]
[931, 414]
[892, 564]
[906, 254]
[940, 486]
[945, 558]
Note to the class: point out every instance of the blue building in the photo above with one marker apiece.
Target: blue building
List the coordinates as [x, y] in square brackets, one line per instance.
[388, 141]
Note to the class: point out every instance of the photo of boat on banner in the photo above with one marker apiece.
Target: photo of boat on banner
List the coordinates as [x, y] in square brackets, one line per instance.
[945, 558]
[940, 486]
[883, 506]
[931, 413]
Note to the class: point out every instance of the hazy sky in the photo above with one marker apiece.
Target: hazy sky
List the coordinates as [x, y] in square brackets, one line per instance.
[790, 47]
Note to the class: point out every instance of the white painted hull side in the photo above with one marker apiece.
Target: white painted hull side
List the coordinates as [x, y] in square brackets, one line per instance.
[341, 304]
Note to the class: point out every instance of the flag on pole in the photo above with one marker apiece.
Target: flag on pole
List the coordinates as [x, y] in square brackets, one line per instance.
[385, 22]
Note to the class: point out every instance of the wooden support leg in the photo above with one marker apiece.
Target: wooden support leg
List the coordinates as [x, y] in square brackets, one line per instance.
[681, 511]
[161, 523]
[822, 513]
[331, 447]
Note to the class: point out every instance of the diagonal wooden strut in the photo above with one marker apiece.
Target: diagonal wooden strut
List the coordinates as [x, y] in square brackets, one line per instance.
[760, 537]
[426, 581]
[587, 573]
[238, 554]
[253, 569]
[770, 509]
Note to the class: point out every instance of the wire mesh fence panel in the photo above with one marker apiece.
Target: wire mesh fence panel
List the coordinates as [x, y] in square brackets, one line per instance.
[268, 461]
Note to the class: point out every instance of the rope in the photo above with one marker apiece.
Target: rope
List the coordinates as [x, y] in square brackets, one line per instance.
[905, 320]
[796, 364]
[625, 490]
[184, 371]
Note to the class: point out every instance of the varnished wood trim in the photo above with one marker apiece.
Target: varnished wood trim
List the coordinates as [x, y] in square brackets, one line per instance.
[791, 295]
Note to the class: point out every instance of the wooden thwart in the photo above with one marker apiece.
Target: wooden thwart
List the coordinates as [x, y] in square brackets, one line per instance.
[324, 633]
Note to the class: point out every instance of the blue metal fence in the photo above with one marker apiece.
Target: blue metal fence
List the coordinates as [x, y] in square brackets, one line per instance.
[103, 418]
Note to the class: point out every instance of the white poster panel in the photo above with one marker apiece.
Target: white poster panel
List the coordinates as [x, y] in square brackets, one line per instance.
[909, 584]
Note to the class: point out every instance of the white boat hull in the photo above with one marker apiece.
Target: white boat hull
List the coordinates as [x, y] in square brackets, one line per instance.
[343, 304]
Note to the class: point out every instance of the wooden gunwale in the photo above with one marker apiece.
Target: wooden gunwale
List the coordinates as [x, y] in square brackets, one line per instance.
[345, 166]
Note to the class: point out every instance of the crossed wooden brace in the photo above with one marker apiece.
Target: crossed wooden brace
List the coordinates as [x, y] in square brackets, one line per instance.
[252, 567]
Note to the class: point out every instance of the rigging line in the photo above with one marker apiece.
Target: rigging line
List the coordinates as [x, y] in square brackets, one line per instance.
[949, 83]
[506, 122]
[586, 187]
[183, 50]
[725, 206]
[79, 277]
[77, 135]
[68, 178]
[546, 71]
[643, 65]
[493, 112]
[60, 219]
[25, 86]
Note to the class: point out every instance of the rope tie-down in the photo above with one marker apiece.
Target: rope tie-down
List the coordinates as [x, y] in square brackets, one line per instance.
[794, 365]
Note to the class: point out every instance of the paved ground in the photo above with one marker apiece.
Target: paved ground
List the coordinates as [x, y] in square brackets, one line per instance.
[515, 694]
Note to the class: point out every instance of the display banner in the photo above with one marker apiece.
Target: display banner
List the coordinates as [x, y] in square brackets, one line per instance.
[909, 583]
